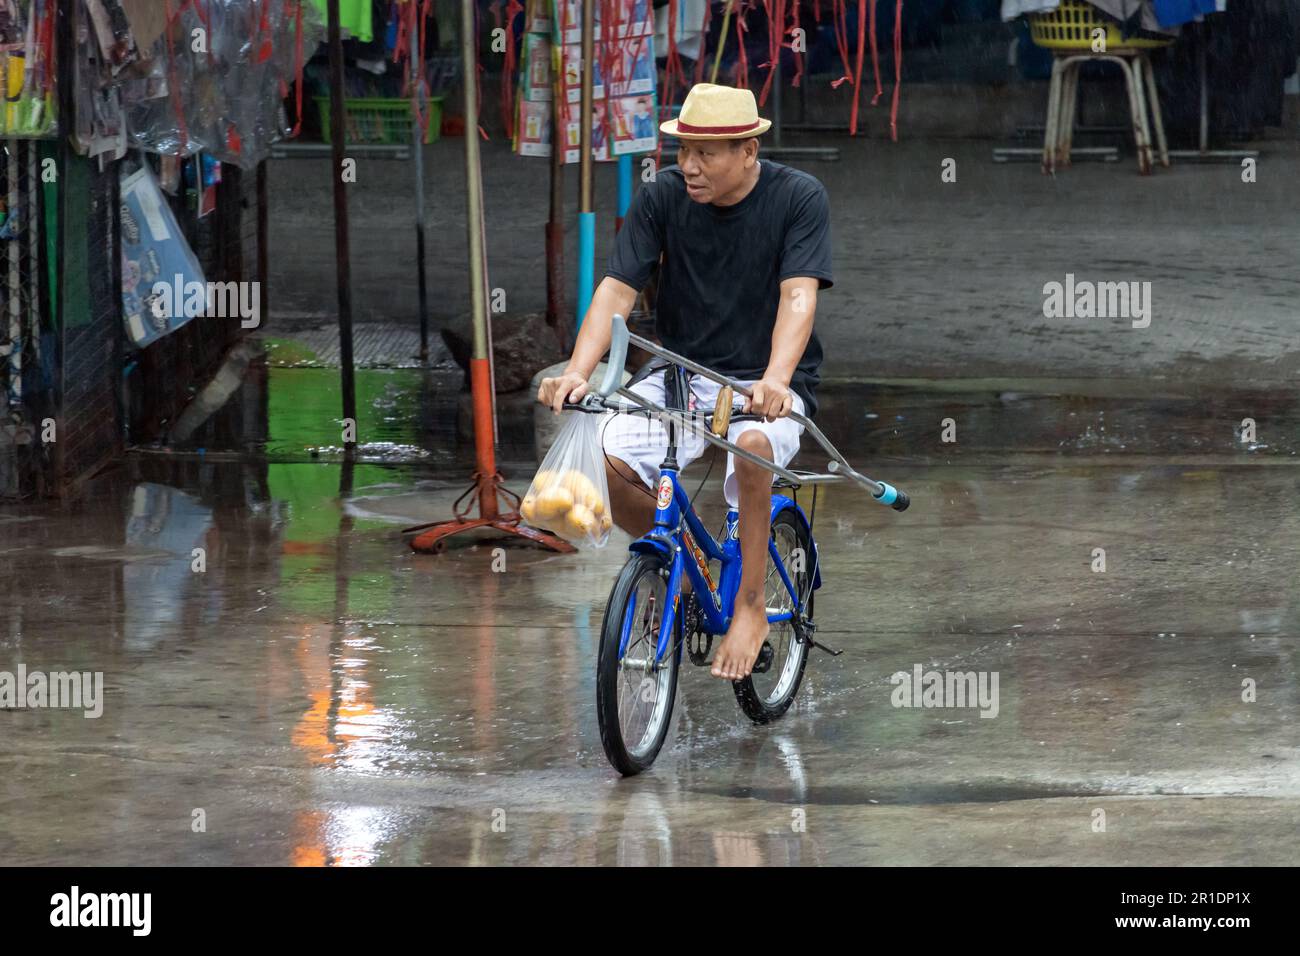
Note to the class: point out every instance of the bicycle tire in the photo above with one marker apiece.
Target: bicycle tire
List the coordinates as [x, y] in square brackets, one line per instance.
[630, 761]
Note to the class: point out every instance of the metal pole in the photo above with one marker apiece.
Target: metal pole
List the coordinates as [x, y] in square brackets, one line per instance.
[586, 215]
[263, 239]
[417, 95]
[343, 270]
[480, 362]
[624, 189]
[1202, 67]
[65, 60]
[555, 222]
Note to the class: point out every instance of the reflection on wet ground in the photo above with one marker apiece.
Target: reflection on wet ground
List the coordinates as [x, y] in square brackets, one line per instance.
[325, 696]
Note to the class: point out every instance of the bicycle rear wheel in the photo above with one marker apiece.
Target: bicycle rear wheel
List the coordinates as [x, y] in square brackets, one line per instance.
[767, 696]
[634, 695]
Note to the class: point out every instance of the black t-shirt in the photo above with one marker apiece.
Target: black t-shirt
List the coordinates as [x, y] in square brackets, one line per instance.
[720, 283]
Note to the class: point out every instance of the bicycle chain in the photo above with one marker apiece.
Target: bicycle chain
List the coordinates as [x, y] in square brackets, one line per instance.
[698, 641]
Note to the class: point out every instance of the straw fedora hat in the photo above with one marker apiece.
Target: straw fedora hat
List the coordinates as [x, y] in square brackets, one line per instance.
[717, 112]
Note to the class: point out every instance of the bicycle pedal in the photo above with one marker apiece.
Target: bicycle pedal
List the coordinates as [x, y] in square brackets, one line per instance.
[763, 663]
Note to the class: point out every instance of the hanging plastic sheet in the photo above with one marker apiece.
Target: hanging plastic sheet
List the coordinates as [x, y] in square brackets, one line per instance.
[214, 77]
[1173, 13]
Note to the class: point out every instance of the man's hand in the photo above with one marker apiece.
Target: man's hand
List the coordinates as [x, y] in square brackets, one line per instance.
[569, 387]
[770, 398]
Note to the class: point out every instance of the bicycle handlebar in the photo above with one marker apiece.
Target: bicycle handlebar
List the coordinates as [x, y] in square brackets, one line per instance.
[593, 404]
[599, 401]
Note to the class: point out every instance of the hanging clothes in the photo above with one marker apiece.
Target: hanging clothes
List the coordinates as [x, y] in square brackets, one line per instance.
[1133, 15]
[1174, 13]
[1018, 8]
[687, 35]
[355, 18]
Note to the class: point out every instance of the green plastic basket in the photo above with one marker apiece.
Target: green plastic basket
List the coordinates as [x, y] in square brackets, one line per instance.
[379, 120]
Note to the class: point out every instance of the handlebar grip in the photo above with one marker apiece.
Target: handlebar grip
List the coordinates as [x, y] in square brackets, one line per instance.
[589, 403]
[891, 496]
[618, 342]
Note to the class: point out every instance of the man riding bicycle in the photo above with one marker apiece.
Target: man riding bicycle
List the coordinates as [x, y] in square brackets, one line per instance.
[742, 247]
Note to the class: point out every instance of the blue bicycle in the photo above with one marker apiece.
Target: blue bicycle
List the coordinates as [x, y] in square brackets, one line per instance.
[647, 623]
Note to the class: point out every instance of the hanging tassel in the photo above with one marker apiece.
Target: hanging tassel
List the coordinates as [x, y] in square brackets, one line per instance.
[513, 8]
[857, 69]
[840, 25]
[898, 68]
[798, 54]
[173, 80]
[478, 70]
[875, 56]
[771, 57]
[742, 66]
[299, 65]
[775, 40]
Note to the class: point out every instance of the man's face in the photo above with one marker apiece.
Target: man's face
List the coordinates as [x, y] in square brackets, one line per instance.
[715, 170]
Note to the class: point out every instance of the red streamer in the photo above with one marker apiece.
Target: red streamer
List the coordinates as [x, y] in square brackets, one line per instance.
[857, 69]
[898, 69]
[875, 55]
[513, 8]
[840, 25]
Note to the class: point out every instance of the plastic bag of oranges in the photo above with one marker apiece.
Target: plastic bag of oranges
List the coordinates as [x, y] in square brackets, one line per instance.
[569, 496]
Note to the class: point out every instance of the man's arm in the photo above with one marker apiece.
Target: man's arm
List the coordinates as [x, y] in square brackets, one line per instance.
[611, 296]
[772, 397]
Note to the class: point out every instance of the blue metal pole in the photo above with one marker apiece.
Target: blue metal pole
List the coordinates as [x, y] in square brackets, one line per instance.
[624, 188]
[586, 262]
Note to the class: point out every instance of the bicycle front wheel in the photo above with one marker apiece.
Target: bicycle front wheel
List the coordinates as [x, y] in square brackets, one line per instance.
[634, 694]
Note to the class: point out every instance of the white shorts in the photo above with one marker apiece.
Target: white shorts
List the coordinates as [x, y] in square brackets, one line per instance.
[642, 442]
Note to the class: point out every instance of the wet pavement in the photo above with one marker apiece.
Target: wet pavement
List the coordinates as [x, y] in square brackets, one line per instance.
[324, 696]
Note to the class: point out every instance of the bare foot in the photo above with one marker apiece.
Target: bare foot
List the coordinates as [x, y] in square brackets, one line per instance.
[744, 639]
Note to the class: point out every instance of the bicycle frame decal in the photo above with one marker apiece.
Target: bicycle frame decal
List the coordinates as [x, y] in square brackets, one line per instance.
[665, 491]
[702, 563]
